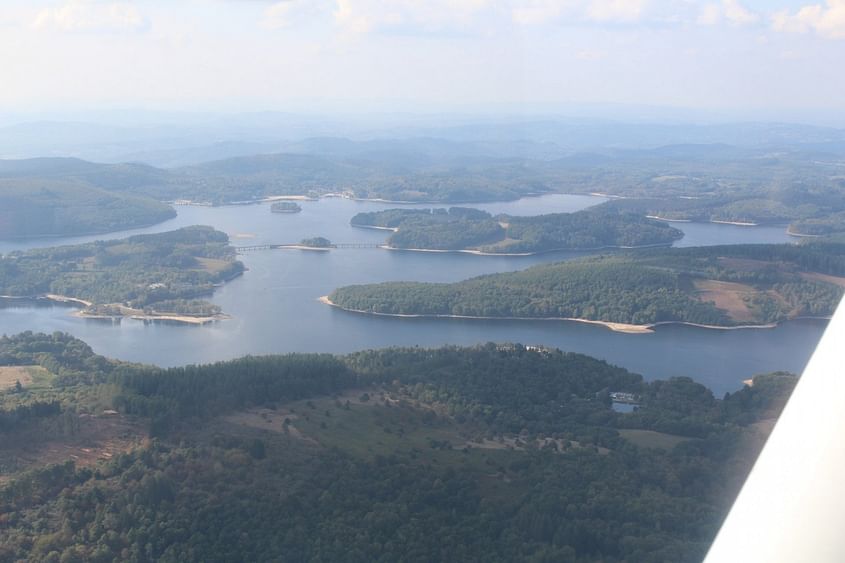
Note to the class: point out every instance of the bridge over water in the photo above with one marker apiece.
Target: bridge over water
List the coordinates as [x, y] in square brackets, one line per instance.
[340, 245]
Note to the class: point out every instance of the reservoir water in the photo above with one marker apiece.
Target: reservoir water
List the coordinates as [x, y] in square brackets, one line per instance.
[275, 309]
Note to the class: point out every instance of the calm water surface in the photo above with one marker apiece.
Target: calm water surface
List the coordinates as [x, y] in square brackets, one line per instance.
[275, 305]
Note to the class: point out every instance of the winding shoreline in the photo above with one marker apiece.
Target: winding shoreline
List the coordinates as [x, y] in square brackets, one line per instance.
[667, 220]
[792, 233]
[736, 223]
[616, 327]
[535, 253]
[49, 297]
[135, 314]
[377, 228]
[170, 318]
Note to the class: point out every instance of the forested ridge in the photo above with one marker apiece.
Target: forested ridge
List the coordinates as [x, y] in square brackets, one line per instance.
[765, 283]
[461, 228]
[383, 456]
[164, 271]
[698, 182]
[58, 207]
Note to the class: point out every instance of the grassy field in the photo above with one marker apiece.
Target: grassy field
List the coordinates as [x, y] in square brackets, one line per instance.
[30, 377]
[651, 439]
[213, 265]
[730, 296]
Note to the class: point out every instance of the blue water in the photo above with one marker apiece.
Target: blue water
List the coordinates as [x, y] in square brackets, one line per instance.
[275, 308]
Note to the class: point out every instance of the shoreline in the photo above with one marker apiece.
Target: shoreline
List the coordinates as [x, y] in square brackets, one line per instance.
[792, 233]
[127, 313]
[174, 318]
[615, 327]
[287, 198]
[659, 218]
[391, 229]
[55, 298]
[535, 253]
[737, 223]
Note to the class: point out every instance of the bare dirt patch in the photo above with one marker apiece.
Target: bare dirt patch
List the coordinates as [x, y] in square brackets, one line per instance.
[268, 419]
[97, 438]
[9, 375]
[728, 296]
[652, 439]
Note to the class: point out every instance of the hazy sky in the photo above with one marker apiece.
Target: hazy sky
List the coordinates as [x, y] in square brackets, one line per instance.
[421, 54]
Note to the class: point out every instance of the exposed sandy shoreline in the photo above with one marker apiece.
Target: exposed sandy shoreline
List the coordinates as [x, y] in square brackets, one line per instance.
[65, 299]
[182, 319]
[288, 198]
[659, 218]
[616, 327]
[50, 297]
[127, 312]
[461, 251]
[552, 250]
[737, 223]
[391, 229]
[792, 233]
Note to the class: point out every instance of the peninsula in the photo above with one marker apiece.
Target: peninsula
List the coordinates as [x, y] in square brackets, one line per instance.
[712, 287]
[461, 229]
[156, 277]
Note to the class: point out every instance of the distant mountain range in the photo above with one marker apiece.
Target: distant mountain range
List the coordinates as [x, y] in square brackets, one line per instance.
[179, 144]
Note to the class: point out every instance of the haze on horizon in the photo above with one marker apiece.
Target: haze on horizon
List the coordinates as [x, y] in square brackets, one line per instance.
[735, 59]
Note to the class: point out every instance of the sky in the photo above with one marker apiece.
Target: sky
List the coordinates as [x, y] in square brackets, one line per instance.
[743, 57]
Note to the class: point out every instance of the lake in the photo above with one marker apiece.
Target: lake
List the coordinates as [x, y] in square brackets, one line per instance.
[275, 309]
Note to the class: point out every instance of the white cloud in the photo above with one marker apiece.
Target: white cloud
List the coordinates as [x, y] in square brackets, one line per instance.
[737, 14]
[827, 21]
[711, 14]
[363, 16]
[730, 11]
[91, 15]
[615, 10]
[277, 15]
[590, 55]
[534, 12]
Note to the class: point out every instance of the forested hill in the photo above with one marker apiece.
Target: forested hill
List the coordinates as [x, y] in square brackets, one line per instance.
[722, 286]
[161, 271]
[689, 182]
[31, 207]
[492, 453]
[460, 228]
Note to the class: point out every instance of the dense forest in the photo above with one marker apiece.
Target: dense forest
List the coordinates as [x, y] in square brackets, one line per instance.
[53, 207]
[143, 271]
[724, 286]
[285, 207]
[489, 453]
[460, 228]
